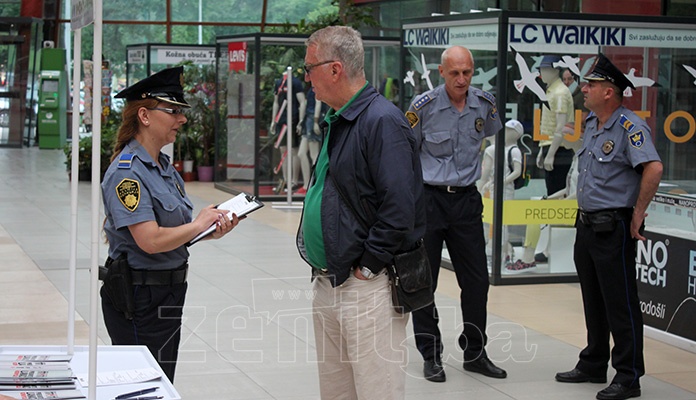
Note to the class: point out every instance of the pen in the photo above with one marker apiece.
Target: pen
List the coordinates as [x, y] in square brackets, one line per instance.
[136, 393]
[148, 398]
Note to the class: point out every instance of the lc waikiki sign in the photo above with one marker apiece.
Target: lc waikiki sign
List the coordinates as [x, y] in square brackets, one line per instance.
[583, 37]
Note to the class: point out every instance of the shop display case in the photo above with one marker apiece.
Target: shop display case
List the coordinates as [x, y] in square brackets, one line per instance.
[250, 157]
[657, 54]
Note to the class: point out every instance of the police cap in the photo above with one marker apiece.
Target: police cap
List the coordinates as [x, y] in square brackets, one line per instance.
[604, 70]
[166, 85]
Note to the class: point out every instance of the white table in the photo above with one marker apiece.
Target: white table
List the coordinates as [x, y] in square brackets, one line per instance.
[109, 358]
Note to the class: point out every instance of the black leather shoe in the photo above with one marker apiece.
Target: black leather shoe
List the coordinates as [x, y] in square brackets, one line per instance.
[617, 391]
[484, 366]
[577, 376]
[433, 371]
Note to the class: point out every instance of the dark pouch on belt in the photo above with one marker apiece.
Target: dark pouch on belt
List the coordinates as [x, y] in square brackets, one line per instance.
[603, 222]
[411, 281]
[119, 285]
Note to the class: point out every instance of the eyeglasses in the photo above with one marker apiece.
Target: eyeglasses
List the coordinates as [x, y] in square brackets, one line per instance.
[308, 67]
[173, 111]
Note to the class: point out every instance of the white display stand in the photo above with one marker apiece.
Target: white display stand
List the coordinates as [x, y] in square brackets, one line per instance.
[109, 358]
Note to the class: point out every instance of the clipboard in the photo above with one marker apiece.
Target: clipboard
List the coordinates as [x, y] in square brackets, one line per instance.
[241, 204]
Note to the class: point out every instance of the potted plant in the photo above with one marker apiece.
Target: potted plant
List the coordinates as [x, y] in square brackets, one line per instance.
[199, 90]
[108, 135]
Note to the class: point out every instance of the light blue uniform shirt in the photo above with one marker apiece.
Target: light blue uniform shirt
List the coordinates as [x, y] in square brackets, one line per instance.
[607, 177]
[160, 197]
[451, 140]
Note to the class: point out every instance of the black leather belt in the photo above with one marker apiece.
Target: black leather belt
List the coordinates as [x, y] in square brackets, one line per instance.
[453, 189]
[166, 277]
[618, 214]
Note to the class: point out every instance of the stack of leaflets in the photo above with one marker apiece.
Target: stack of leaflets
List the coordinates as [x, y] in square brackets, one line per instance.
[37, 377]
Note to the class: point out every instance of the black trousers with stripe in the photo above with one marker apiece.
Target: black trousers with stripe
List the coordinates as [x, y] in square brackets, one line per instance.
[606, 266]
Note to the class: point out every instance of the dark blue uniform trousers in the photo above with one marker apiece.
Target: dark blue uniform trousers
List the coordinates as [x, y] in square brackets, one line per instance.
[456, 219]
[156, 324]
[606, 266]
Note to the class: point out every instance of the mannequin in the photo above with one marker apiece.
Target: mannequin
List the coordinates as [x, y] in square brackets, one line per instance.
[513, 132]
[280, 119]
[311, 139]
[553, 157]
[529, 259]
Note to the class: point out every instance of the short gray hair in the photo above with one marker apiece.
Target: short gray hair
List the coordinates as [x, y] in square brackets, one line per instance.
[341, 43]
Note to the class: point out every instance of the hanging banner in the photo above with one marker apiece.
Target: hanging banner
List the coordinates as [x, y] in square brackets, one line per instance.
[237, 54]
[81, 14]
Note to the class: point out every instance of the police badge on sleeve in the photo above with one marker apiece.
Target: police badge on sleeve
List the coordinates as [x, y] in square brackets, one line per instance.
[128, 192]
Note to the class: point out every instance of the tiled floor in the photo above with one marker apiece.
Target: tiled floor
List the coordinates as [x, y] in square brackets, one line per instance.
[241, 340]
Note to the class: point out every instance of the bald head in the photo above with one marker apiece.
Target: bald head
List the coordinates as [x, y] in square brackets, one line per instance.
[456, 52]
[457, 68]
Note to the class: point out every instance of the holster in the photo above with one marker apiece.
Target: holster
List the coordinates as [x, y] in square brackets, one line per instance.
[603, 221]
[118, 284]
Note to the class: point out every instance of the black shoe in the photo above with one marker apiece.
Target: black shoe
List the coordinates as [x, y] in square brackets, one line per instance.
[617, 391]
[577, 376]
[484, 366]
[541, 258]
[433, 371]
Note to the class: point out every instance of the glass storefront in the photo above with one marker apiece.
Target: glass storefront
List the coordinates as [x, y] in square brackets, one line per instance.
[252, 157]
[656, 53]
[20, 42]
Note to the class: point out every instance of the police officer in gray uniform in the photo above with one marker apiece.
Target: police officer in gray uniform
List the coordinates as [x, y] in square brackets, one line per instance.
[149, 221]
[453, 120]
[619, 172]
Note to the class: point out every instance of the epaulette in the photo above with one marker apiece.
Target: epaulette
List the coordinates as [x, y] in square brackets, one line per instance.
[125, 160]
[626, 123]
[422, 101]
[488, 96]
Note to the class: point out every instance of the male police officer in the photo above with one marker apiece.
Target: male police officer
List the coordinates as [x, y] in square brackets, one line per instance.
[619, 171]
[452, 120]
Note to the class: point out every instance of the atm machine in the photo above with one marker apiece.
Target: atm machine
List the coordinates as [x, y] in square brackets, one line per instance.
[53, 100]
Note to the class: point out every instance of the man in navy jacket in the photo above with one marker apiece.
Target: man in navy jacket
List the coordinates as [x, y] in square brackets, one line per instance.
[364, 206]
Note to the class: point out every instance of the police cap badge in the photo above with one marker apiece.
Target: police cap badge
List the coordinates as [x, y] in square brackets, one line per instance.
[166, 86]
[604, 70]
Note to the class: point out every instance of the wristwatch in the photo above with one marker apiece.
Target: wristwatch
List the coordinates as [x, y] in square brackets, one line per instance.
[367, 273]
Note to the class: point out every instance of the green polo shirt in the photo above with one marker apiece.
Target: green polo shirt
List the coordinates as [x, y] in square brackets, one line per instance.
[311, 224]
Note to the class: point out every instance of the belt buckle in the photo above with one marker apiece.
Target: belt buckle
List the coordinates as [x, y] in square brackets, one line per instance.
[450, 190]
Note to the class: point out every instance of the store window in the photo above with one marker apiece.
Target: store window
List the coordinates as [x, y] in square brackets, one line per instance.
[255, 125]
[533, 223]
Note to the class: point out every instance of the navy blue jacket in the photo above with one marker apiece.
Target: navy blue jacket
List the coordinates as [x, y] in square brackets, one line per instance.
[375, 164]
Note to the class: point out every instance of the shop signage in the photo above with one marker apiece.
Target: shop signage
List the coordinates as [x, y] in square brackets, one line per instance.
[475, 37]
[136, 56]
[666, 279]
[237, 55]
[198, 56]
[582, 38]
[533, 212]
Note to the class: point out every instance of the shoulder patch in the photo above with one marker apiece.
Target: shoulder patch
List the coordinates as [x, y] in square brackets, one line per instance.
[637, 139]
[128, 192]
[422, 101]
[626, 123]
[125, 160]
[412, 118]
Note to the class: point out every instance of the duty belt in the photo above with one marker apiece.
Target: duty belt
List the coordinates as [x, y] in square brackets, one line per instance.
[619, 214]
[166, 277]
[453, 189]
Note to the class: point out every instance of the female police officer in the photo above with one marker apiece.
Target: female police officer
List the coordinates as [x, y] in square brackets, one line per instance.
[149, 221]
